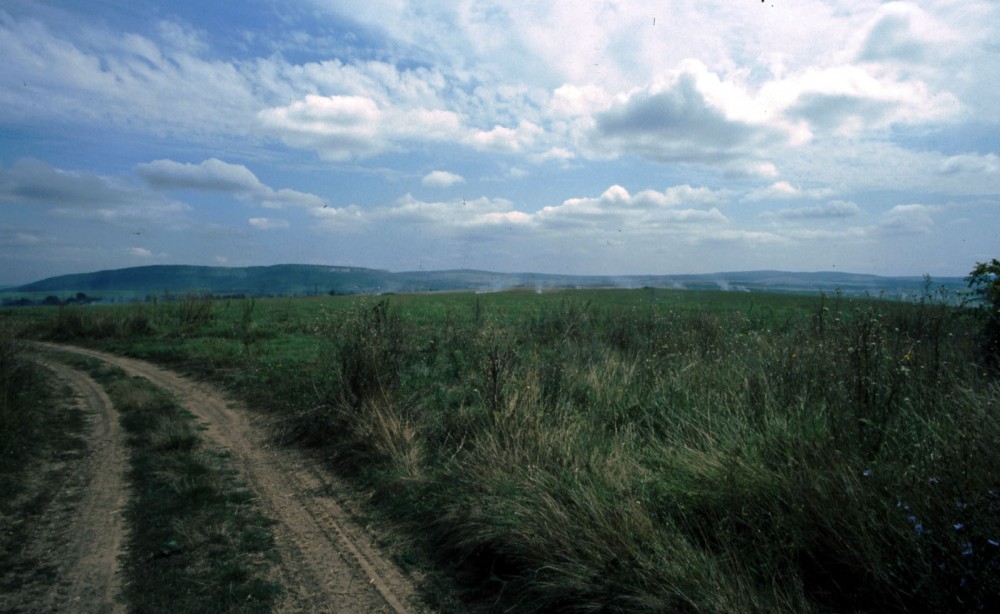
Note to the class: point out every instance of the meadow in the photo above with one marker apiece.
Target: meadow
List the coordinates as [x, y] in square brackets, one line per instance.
[625, 450]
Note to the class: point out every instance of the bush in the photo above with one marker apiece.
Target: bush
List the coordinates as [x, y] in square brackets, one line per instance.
[984, 280]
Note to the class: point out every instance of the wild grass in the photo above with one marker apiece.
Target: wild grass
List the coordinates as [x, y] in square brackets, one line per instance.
[646, 450]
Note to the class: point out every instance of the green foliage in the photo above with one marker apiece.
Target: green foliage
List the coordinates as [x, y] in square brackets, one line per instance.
[984, 280]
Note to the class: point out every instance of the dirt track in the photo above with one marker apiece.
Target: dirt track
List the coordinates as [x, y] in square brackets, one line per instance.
[327, 563]
[78, 534]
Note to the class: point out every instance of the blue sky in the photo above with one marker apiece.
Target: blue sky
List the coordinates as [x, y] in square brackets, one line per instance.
[618, 137]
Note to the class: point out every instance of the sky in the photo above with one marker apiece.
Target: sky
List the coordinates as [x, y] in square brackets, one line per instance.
[573, 137]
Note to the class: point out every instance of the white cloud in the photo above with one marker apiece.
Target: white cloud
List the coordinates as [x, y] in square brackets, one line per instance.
[832, 210]
[441, 179]
[690, 116]
[558, 154]
[140, 252]
[214, 175]
[908, 219]
[85, 73]
[846, 100]
[904, 32]
[79, 195]
[781, 190]
[348, 127]
[972, 164]
[31, 181]
[266, 223]
[211, 175]
[504, 139]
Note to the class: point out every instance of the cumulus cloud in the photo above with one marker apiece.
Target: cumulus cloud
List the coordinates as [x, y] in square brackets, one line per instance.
[848, 99]
[441, 179]
[343, 127]
[908, 219]
[79, 195]
[647, 210]
[689, 117]
[211, 175]
[214, 175]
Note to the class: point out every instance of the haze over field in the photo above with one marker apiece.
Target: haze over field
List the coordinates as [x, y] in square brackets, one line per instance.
[611, 138]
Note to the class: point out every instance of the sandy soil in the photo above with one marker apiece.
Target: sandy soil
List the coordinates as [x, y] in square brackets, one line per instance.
[75, 539]
[327, 562]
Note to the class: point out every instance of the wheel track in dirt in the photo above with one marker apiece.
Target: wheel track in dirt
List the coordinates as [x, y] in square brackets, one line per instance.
[327, 563]
[89, 531]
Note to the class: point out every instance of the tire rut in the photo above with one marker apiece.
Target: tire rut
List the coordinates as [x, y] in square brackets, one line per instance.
[326, 561]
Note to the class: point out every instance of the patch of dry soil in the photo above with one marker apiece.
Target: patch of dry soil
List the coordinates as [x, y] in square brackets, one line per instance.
[327, 562]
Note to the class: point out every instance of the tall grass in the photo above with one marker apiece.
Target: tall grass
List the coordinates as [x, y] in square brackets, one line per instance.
[645, 451]
[588, 458]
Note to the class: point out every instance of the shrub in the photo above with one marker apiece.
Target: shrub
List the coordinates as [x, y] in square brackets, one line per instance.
[984, 280]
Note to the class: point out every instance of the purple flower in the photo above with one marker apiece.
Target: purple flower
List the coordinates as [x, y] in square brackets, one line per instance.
[919, 528]
[967, 549]
[867, 473]
[933, 480]
[959, 526]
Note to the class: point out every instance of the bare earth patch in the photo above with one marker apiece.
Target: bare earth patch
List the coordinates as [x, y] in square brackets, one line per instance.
[327, 562]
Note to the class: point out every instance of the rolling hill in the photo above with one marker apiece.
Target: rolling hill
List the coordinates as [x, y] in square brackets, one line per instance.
[136, 283]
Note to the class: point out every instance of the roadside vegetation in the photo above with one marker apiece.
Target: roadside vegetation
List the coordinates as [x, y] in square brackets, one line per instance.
[630, 450]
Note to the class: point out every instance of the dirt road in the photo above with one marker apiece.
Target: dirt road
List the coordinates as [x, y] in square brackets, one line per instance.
[76, 537]
[327, 562]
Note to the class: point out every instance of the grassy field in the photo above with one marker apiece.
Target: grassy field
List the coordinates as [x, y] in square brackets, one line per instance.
[627, 450]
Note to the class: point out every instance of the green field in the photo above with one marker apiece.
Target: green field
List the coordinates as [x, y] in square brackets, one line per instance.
[626, 450]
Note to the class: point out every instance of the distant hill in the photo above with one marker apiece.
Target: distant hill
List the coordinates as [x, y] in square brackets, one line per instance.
[302, 280]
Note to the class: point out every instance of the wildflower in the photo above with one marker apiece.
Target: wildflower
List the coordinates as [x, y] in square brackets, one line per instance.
[918, 528]
[867, 473]
[993, 542]
[967, 549]
[959, 526]
[933, 480]
[912, 519]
